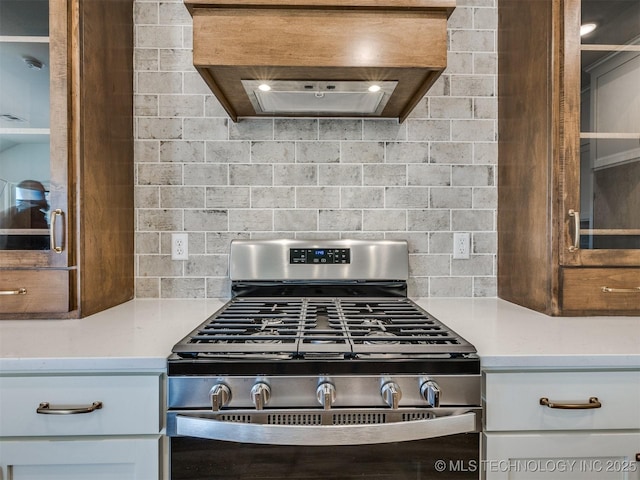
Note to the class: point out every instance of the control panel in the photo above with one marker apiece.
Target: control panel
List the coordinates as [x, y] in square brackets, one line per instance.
[219, 392]
[319, 255]
[324, 391]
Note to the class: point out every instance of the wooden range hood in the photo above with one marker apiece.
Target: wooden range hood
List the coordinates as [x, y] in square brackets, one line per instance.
[320, 56]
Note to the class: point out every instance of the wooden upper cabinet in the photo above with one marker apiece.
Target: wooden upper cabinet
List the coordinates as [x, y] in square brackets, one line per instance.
[320, 56]
[569, 156]
[71, 62]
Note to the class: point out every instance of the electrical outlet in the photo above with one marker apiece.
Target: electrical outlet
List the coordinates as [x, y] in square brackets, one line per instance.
[461, 245]
[179, 246]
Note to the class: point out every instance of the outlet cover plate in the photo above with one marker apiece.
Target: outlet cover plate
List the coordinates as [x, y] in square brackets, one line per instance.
[461, 245]
[179, 246]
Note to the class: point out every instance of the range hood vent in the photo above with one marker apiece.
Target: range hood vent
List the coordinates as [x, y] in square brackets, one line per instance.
[319, 98]
[319, 57]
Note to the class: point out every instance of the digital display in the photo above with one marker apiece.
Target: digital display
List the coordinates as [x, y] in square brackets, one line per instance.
[319, 256]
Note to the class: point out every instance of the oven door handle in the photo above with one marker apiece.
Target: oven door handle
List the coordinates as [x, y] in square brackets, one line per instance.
[318, 435]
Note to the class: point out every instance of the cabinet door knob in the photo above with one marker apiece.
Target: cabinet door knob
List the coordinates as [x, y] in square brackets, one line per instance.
[592, 403]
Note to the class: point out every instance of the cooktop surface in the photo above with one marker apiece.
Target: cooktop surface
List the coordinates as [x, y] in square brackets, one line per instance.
[307, 326]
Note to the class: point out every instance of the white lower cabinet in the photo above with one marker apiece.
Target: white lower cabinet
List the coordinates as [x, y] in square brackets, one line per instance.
[561, 425]
[73, 427]
[81, 459]
[561, 456]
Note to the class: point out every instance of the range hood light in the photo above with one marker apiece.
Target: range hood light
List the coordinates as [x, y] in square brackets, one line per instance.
[374, 88]
[587, 28]
[326, 97]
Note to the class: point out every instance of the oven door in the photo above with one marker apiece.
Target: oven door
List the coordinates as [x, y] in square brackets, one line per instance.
[409, 444]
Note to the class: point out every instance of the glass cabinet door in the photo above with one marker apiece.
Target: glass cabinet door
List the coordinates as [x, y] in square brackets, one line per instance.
[609, 216]
[34, 145]
[27, 188]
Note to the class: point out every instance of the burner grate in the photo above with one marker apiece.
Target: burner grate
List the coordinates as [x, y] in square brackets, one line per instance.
[307, 326]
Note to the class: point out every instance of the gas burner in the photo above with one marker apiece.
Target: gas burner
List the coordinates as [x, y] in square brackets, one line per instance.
[326, 337]
[271, 322]
[381, 337]
[268, 337]
[369, 323]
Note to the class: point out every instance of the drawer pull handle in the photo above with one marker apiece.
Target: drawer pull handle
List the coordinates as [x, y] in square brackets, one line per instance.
[620, 290]
[17, 291]
[593, 403]
[45, 409]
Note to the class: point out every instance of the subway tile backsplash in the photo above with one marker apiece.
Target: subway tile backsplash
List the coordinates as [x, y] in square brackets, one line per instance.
[200, 173]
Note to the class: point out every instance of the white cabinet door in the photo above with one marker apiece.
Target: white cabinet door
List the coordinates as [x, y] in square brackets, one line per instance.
[561, 456]
[94, 459]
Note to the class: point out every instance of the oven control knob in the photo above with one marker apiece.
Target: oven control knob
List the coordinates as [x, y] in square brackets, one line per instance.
[260, 394]
[326, 394]
[220, 395]
[391, 394]
[430, 391]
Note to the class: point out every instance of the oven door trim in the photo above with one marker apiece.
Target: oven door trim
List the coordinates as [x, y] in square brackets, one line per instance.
[206, 426]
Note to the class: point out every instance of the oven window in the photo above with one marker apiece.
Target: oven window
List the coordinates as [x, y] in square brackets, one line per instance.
[444, 458]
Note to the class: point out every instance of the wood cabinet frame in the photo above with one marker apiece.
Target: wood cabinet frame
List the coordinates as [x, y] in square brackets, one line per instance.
[539, 167]
[91, 82]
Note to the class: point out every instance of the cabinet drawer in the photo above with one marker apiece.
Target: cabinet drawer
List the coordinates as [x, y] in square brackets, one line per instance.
[512, 400]
[561, 456]
[130, 405]
[116, 458]
[582, 290]
[44, 291]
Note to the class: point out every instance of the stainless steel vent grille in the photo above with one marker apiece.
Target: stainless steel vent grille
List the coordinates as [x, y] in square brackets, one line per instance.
[316, 419]
[359, 418]
[235, 418]
[409, 417]
[294, 419]
[331, 417]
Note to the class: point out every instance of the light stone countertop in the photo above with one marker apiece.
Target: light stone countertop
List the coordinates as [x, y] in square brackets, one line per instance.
[138, 336]
[508, 336]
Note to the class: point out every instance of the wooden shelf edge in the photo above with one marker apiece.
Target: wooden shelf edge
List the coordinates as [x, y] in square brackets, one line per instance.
[446, 5]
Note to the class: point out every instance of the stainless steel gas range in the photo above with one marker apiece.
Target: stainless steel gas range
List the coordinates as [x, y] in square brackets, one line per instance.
[320, 366]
